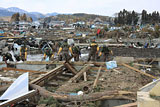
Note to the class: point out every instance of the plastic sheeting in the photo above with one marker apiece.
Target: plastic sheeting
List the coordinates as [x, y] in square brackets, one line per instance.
[111, 64]
[18, 87]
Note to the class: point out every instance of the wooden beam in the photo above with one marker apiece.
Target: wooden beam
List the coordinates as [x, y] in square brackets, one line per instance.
[97, 77]
[22, 70]
[142, 65]
[71, 68]
[79, 74]
[139, 71]
[18, 99]
[47, 75]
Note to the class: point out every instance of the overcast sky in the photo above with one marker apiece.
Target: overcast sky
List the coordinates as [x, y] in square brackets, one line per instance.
[101, 7]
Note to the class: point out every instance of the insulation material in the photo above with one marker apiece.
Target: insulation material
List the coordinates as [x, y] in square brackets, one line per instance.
[19, 87]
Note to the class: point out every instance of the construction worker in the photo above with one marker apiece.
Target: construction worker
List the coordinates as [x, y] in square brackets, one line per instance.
[75, 51]
[48, 53]
[94, 48]
[106, 52]
[65, 51]
[23, 52]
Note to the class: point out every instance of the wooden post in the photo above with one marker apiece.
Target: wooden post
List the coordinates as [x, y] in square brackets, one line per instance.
[85, 76]
[97, 77]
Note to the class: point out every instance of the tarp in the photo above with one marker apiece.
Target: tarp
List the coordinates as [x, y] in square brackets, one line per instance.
[18, 87]
[111, 64]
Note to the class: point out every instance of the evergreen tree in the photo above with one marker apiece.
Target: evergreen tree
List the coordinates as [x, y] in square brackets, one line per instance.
[144, 16]
[15, 17]
[24, 17]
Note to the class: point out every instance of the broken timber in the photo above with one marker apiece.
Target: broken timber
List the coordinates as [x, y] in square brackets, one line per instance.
[79, 74]
[48, 75]
[71, 68]
[139, 71]
[90, 97]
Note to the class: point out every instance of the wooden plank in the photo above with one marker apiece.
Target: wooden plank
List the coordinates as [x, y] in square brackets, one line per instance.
[128, 105]
[139, 71]
[79, 74]
[22, 70]
[20, 98]
[97, 77]
[142, 65]
[47, 75]
[71, 68]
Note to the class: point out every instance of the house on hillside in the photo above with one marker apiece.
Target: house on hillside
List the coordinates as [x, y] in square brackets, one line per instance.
[56, 24]
[98, 21]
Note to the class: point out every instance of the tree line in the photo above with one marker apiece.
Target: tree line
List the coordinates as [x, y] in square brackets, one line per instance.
[18, 17]
[131, 18]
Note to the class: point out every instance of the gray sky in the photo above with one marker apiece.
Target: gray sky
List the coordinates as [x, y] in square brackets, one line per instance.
[101, 7]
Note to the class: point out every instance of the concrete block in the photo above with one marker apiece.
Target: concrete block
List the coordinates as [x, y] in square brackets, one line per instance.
[123, 59]
[155, 91]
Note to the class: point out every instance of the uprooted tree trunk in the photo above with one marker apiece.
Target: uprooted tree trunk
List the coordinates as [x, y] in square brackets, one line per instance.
[90, 97]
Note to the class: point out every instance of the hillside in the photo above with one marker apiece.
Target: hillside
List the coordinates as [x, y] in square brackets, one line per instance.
[76, 17]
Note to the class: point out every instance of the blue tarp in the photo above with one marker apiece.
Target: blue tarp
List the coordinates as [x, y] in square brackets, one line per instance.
[111, 64]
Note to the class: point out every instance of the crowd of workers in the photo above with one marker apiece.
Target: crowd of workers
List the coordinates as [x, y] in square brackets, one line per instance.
[63, 50]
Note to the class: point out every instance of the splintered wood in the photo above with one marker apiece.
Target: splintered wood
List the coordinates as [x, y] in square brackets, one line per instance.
[79, 74]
